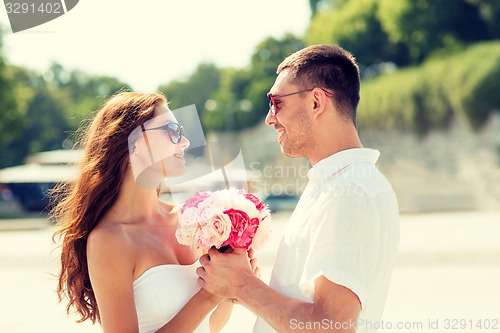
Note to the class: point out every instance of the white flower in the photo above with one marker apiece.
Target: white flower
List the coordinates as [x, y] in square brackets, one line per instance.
[263, 234]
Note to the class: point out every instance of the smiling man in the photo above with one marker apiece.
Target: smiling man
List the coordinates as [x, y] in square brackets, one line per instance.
[335, 259]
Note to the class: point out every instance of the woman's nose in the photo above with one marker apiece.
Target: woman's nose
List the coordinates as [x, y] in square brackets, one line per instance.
[184, 142]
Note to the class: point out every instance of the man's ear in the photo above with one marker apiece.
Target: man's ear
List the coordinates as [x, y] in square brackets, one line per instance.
[319, 101]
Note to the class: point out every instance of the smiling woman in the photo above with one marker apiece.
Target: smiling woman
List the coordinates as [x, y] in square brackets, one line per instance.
[116, 232]
[83, 203]
[164, 145]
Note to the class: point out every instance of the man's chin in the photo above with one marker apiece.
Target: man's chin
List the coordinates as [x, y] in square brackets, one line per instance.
[290, 152]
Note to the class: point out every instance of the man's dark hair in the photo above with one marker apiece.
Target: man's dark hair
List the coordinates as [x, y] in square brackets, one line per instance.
[330, 67]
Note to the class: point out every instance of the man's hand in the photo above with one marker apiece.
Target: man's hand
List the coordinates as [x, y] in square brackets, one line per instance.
[223, 273]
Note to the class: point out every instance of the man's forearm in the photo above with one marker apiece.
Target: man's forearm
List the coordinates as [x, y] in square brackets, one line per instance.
[286, 314]
[278, 310]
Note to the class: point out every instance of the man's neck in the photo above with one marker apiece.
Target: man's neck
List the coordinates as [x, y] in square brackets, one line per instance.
[327, 145]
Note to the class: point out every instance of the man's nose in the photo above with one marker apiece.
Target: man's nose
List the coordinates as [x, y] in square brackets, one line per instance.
[270, 118]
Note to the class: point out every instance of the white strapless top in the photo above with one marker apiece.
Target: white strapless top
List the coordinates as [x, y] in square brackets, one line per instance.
[161, 292]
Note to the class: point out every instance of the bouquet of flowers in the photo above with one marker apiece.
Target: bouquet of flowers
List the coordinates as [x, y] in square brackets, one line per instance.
[224, 218]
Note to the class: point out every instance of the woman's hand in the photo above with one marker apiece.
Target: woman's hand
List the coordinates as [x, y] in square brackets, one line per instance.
[212, 299]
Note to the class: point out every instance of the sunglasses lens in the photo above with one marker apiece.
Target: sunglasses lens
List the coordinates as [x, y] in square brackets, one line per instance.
[270, 101]
[175, 132]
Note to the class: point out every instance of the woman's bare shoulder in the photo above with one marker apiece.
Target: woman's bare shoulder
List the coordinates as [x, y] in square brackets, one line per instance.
[109, 237]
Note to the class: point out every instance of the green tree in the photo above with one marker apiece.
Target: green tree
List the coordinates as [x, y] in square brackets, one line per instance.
[490, 13]
[85, 92]
[224, 105]
[313, 4]
[424, 26]
[463, 86]
[404, 32]
[356, 27]
[53, 106]
[44, 125]
[196, 89]
[12, 108]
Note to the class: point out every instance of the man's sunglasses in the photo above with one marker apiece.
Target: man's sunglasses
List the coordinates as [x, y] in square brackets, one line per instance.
[272, 98]
[174, 130]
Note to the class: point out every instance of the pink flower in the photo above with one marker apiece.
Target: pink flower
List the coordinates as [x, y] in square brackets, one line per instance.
[214, 232]
[256, 201]
[195, 200]
[243, 229]
[228, 217]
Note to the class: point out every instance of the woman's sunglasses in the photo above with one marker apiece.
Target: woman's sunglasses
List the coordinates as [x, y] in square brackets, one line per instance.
[174, 130]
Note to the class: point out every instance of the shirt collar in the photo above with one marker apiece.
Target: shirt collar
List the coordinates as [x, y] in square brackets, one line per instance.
[338, 161]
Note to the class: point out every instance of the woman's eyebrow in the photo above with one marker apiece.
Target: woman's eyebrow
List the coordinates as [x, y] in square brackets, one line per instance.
[160, 123]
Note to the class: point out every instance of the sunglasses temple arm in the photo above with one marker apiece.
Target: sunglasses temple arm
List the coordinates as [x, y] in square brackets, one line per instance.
[147, 144]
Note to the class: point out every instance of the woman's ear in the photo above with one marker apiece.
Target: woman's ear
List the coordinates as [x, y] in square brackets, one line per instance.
[133, 150]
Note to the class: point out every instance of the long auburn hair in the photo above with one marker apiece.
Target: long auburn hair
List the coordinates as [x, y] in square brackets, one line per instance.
[79, 205]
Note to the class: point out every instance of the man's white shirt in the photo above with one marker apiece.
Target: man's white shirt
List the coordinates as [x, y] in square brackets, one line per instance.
[345, 227]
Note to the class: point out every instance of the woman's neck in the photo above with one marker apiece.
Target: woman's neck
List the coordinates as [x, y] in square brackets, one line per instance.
[135, 202]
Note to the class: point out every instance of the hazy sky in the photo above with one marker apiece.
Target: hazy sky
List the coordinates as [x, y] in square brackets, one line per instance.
[149, 42]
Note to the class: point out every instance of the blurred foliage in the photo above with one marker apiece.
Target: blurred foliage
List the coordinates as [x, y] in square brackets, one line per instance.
[196, 89]
[357, 28]
[424, 26]
[404, 32]
[45, 123]
[490, 13]
[12, 105]
[48, 108]
[463, 86]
